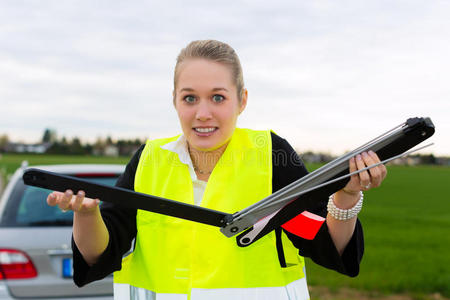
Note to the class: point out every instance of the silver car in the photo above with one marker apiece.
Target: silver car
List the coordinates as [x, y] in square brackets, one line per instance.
[35, 240]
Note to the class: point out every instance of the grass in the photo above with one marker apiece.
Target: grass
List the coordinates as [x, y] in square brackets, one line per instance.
[406, 226]
[407, 235]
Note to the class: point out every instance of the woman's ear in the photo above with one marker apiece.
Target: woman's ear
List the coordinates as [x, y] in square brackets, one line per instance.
[243, 100]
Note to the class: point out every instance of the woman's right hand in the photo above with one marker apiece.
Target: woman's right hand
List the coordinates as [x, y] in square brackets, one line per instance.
[68, 201]
[89, 231]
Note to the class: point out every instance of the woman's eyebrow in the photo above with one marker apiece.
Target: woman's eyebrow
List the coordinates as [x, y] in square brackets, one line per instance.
[188, 89]
[220, 89]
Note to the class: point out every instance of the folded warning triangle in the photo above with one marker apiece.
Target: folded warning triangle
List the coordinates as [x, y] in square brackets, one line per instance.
[305, 225]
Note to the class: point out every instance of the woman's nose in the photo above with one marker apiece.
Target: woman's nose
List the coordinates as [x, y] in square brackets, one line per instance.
[203, 111]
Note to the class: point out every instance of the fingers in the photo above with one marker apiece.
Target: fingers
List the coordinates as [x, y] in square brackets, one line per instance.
[354, 178]
[381, 168]
[65, 204]
[374, 176]
[366, 179]
[68, 201]
[364, 176]
[59, 199]
[78, 201]
[52, 198]
[84, 204]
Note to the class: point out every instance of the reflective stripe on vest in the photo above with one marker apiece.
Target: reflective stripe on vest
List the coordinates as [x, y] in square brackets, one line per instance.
[296, 290]
[175, 256]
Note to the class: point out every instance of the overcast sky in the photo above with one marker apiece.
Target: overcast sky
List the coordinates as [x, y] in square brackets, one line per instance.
[325, 75]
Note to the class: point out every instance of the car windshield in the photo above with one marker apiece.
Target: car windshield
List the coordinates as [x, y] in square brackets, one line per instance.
[28, 206]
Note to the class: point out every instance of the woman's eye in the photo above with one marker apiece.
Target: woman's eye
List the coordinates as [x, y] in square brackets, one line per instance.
[189, 99]
[218, 98]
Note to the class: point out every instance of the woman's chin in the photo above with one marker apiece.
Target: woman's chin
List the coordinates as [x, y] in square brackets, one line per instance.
[206, 146]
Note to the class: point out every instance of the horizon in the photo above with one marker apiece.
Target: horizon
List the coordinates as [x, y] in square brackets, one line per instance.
[115, 140]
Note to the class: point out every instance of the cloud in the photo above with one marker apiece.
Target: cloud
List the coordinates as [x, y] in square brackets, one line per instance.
[326, 75]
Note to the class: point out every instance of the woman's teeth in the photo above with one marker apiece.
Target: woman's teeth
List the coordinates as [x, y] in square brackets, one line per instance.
[205, 129]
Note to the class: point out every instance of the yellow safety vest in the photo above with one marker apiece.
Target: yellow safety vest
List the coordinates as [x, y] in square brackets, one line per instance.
[174, 255]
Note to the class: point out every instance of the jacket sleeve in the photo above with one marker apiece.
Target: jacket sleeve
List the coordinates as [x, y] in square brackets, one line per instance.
[288, 167]
[121, 224]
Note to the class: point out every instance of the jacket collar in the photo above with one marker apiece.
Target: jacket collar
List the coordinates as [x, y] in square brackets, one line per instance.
[179, 146]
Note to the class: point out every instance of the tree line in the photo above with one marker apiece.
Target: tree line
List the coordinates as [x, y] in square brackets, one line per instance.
[50, 143]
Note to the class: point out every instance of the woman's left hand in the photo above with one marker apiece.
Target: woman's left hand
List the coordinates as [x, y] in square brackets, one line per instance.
[367, 179]
[346, 198]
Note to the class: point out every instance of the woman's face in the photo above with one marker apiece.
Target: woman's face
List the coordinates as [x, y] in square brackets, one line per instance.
[207, 103]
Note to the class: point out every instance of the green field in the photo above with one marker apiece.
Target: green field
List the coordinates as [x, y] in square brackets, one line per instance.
[407, 235]
[406, 225]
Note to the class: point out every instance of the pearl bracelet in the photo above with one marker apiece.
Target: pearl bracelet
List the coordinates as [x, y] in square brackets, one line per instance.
[344, 214]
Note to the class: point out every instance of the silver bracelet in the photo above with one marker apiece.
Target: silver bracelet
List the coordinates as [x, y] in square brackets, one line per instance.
[344, 214]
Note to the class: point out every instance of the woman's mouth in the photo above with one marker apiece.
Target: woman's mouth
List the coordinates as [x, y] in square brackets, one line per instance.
[204, 131]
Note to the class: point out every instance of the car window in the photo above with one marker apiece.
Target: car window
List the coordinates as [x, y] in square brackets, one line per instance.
[27, 206]
[33, 209]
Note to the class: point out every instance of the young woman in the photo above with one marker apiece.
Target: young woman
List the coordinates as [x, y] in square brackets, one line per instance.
[215, 165]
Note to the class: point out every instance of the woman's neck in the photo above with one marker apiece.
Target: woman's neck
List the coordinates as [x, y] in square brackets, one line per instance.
[205, 161]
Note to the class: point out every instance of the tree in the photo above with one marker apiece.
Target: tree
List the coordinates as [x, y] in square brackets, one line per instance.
[49, 136]
[99, 146]
[59, 147]
[4, 141]
[109, 141]
[429, 159]
[76, 147]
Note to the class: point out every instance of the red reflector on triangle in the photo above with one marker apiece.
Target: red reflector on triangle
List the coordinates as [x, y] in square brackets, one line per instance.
[305, 225]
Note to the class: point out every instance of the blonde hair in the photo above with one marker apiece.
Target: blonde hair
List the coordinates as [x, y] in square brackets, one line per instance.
[215, 51]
